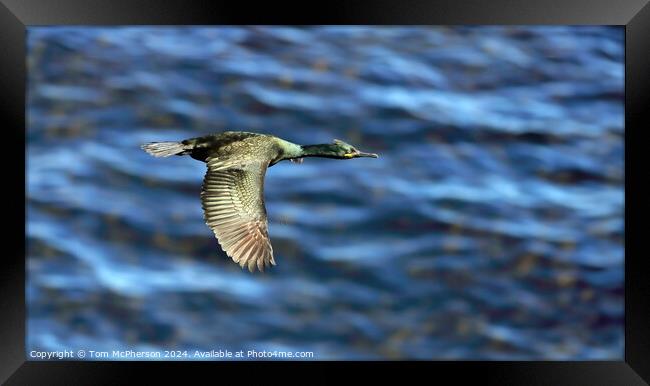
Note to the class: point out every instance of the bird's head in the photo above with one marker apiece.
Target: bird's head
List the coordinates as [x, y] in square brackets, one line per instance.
[346, 151]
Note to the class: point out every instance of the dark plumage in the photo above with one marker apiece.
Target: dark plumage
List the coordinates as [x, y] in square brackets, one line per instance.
[233, 188]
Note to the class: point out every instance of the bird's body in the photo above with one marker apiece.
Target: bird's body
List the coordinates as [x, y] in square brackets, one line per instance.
[232, 196]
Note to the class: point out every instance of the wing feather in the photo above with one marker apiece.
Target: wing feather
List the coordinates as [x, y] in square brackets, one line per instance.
[233, 204]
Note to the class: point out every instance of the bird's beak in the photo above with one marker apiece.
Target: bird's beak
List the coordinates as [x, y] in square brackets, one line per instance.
[362, 154]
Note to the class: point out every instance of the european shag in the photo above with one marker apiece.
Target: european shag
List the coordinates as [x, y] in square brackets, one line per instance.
[232, 195]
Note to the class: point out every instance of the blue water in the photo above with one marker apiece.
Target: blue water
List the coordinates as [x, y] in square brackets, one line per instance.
[491, 226]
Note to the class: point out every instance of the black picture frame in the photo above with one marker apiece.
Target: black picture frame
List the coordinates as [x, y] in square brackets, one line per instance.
[17, 15]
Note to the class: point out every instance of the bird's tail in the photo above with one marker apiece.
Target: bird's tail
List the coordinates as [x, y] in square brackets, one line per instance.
[163, 149]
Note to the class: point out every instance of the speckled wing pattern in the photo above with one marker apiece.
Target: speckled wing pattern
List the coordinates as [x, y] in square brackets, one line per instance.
[233, 204]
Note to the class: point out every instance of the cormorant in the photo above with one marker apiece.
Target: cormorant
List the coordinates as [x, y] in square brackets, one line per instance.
[232, 196]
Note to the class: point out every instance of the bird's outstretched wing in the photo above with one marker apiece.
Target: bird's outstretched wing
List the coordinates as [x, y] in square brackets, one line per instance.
[233, 206]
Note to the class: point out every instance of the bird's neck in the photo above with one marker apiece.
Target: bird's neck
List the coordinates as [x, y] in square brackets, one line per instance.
[322, 150]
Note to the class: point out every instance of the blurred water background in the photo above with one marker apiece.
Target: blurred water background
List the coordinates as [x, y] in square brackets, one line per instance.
[491, 227]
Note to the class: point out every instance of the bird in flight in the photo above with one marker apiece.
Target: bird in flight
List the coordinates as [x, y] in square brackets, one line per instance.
[232, 195]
